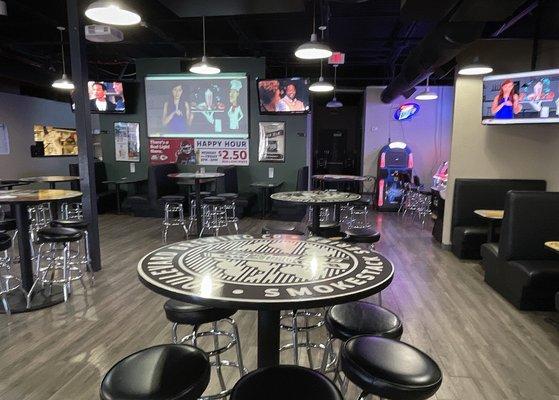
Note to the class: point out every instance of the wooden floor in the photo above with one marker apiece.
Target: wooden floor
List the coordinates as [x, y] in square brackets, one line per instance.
[485, 347]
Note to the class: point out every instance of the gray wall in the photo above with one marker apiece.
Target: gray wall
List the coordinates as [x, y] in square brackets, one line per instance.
[20, 113]
[254, 67]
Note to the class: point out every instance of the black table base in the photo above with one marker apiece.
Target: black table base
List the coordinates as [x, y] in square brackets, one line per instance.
[268, 338]
[18, 301]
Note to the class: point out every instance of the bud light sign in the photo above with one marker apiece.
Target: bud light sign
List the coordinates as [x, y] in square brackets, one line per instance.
[406, 111]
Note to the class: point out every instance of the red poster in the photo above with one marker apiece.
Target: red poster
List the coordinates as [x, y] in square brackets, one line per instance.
[170, 151]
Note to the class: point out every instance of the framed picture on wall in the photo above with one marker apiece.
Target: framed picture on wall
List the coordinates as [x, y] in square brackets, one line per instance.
[271, 147]
[127, 141]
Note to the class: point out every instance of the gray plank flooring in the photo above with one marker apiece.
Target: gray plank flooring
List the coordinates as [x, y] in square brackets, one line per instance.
[486, 348]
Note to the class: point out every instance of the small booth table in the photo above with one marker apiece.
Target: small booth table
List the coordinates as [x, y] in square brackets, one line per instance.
[266, 188]
[267, 273]
[493, 217]
[198, 178]
[315, 199]
[123, 181]
[20, 199]
[51, 180]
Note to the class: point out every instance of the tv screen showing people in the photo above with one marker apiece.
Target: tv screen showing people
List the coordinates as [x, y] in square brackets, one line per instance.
[283, 96]
[521, 98]
[190, 105]
[105, 97]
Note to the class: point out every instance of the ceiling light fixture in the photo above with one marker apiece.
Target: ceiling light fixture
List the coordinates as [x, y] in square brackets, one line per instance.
[427, 94]
[112, 13]
[475, 68]
[334, 103]
[64, 83]
[322, 85]
[313, 50]
[203, 67]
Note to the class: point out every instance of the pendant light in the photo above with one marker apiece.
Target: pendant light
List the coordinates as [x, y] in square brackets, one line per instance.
[112, 12]
[63, 83]
[427, 94]
[313, 50]
[475, 68]
[203, 67]
[321, 85]
[334, 103]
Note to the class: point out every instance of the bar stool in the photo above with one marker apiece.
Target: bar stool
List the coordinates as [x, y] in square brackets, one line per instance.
[40, 216]
[389, 369]
[285, 382]
[274, 228]
[344, 321]
[192, 217]
[71, 211]
[7, 226]
[326, 230]
[56, 237]
[358, 214]
[174, 215]
[164, 372]
[231, 209]
[180, 313]
[8, 282]
[82, 226]
[214, 215]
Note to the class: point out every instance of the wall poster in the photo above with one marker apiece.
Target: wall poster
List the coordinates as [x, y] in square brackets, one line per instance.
[271, 146]
[127, 141]
[222, 151]
[172, 151]
[4, 139]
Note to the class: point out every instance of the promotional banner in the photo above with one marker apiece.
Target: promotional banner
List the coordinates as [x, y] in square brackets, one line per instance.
[271, 147]
[171, 151]
[222, 151]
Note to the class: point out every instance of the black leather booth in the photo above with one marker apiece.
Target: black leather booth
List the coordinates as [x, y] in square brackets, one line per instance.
[468, 230]
[159, 185]
[520, 267]
[106, 197]
[229, 184]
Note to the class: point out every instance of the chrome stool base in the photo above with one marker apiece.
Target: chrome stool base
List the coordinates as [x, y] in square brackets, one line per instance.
[174, 216]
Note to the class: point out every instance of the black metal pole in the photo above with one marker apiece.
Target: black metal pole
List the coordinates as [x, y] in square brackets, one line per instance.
[78, 57]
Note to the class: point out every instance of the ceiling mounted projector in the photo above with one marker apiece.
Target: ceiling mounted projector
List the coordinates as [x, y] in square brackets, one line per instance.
[103, 34]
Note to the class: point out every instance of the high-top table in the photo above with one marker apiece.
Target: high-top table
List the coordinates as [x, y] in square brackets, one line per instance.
[267, 273]
[20, 199]
[315, 199]
[266, 188]
[52, 180]
[9, 184]
[198, 178]
[492, 217]
[123, 181]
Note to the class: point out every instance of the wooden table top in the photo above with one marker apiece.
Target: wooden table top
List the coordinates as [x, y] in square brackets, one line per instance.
[266, 184]
[553, 246]
[196, 175]
[50, 178]
[490, 214]
[37, 196]
[127, 180]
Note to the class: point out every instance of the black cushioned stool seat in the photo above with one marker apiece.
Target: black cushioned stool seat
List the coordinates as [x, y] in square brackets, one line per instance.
[361, 235]
[59, 235]
[228, 196]
[213, 200]
[5, 242]
[193, 314]
[326, 230]
[205, 194]
[172, 199]
[389, 368]
[272, 228]
[70, 223]
[165, 372]
[345, 321]
[7, 225]
[285, 382]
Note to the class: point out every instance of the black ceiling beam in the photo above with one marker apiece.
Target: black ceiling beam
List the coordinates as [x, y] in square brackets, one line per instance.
[516, 18]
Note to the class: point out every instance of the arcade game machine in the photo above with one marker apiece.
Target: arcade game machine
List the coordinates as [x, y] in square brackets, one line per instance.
[394, 168]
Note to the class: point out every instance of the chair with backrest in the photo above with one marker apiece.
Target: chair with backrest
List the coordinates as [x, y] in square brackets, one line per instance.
[468, 230]
[229, 184]
[520, 267]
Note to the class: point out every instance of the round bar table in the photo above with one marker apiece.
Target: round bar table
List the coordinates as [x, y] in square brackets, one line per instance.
[20, 199]
[339, 179]
[265, 188]
[52, 180]
[267, 273]
[315, 199]
[198, 178]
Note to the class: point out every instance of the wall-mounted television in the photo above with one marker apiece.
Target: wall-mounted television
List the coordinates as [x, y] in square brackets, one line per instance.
[283, 96]
[54, 142]
[521, 98]
[189, 105]
[105, 97]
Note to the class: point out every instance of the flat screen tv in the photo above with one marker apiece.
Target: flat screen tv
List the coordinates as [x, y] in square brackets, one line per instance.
[521, 98]
[190, 105]
[54, 142]
[105, 97]
[283, 96]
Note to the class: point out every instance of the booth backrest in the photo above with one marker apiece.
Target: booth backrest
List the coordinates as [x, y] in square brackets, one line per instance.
[531, 219]
[228, 183]
[100, 176]
[489, 194]
[159, 184]
[302, 179]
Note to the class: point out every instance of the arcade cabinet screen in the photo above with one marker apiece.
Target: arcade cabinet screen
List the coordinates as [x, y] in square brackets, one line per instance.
[105, 98]
[54, 142]
[283, 96]
[522, 98]
[190, 105]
